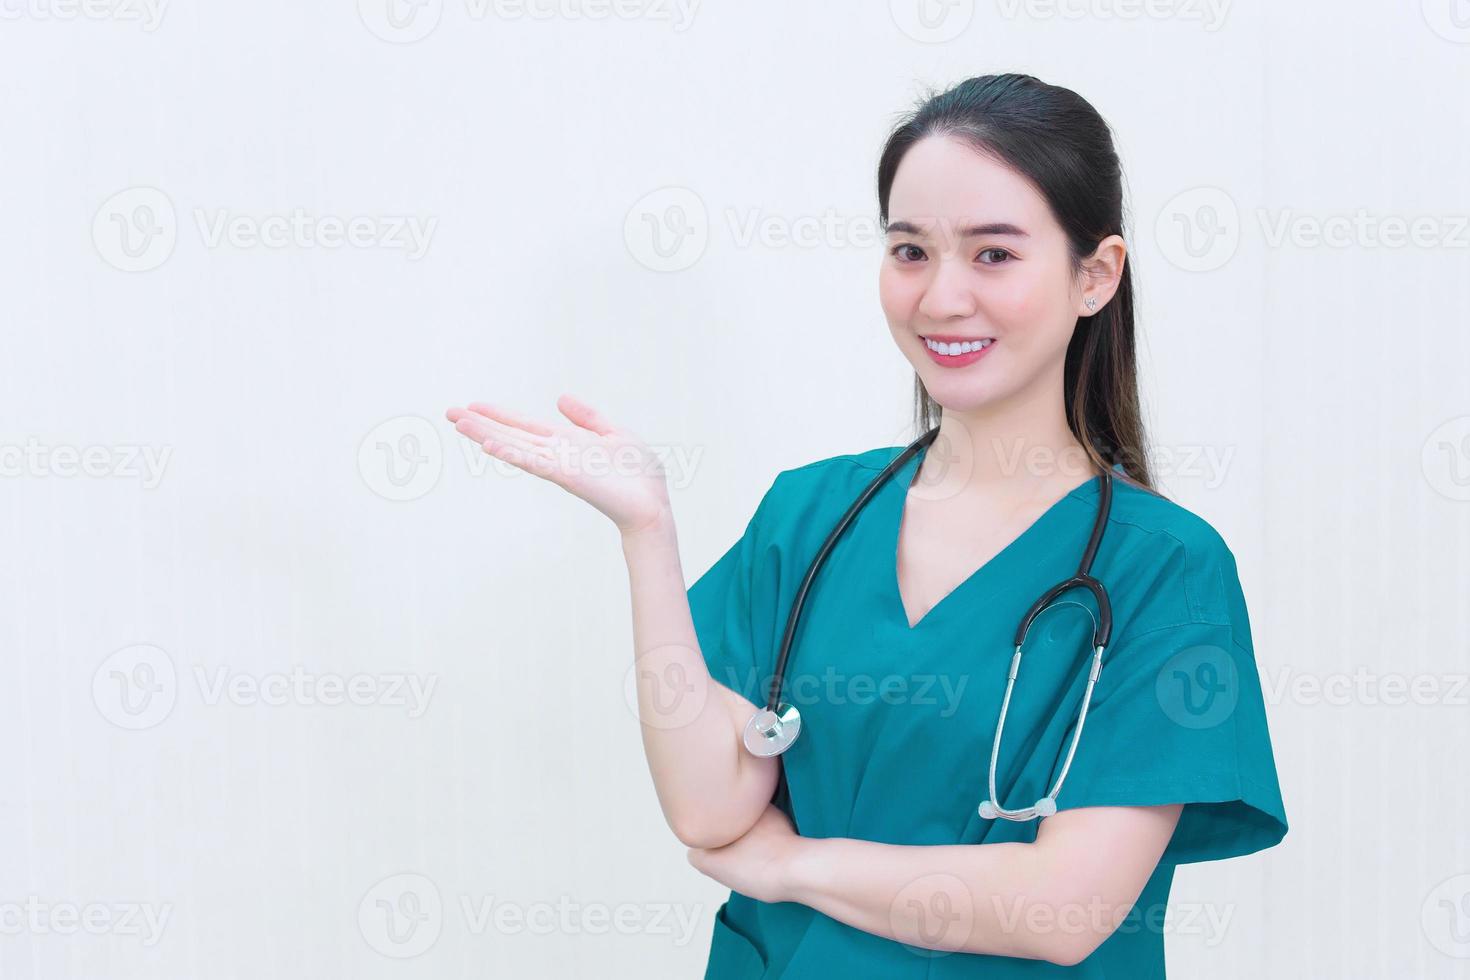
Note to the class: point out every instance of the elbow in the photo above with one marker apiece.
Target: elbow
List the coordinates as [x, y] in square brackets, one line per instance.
[1072, 928]
[1068, 952]
[704, 838]
[702, 833]
[1071, 948]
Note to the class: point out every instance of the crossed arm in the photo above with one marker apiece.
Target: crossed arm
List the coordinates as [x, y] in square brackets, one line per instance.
[1056, 899]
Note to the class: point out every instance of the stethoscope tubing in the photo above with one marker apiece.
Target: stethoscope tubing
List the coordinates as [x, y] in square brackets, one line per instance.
[794, 617]
[772, 730]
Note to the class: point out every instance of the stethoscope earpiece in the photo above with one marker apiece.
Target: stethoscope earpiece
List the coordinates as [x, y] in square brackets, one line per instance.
[1044, 807]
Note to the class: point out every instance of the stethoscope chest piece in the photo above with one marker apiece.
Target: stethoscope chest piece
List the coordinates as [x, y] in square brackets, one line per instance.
[770, 732]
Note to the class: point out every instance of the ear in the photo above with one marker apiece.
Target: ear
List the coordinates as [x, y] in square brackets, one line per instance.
[1101, 273]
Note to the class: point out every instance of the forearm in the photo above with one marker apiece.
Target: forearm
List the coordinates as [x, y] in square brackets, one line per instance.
[710, 789]
[1007, 899]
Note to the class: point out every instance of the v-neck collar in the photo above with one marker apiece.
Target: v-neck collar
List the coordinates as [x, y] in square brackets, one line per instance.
[1011, 555]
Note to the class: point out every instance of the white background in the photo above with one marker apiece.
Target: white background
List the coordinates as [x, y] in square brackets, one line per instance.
[314, 511]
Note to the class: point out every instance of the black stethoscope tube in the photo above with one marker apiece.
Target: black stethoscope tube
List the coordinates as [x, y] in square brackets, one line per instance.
[1102, 629]
[774, 697]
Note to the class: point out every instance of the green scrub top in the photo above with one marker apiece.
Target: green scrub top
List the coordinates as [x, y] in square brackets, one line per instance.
[897, 721]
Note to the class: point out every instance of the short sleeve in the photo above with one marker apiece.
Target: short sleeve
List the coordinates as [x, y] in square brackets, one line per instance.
[723, 603]
[1178, 717]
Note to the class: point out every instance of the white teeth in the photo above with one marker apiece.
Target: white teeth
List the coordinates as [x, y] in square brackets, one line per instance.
[955, 349]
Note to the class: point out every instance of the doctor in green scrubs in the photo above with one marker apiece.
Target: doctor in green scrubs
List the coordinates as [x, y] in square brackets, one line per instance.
[897, 718]
[860, 852]
[875, 862]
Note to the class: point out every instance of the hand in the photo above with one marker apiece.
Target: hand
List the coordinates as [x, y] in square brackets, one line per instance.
[605, 465]
[756, 864]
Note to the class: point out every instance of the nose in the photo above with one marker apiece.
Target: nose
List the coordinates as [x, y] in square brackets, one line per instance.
[949, 292]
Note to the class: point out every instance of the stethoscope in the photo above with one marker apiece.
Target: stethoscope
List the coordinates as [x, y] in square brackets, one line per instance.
[774, 728]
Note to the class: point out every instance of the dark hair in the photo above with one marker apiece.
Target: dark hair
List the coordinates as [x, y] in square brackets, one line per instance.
[1054, 138]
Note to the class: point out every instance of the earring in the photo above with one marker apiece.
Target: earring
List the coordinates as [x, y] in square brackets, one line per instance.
[1092, 303]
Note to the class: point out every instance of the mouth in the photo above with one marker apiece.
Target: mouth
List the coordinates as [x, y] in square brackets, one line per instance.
[951, 351]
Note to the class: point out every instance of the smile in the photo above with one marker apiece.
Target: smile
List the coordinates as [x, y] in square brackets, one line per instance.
[953, 349]
[957, 351]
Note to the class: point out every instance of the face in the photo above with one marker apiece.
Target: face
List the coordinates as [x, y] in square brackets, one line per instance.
[974, 259]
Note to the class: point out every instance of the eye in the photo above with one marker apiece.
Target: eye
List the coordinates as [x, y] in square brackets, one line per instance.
[905, 257]
[996, 251]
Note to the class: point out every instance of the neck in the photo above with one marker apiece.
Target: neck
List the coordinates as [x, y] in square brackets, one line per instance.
[1017, 446]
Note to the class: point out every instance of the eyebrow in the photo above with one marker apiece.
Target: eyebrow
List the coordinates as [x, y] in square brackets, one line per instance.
[974, 231]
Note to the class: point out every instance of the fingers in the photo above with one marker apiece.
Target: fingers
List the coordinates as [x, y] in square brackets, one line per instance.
[507, 417]
[529, 451]
[480, 428]
[583, 414]
[512, 445]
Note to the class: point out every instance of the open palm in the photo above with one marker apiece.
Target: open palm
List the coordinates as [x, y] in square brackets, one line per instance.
[605, 465]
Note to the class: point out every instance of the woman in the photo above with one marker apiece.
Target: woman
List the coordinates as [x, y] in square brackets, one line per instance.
[1004, 283]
